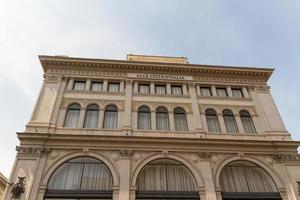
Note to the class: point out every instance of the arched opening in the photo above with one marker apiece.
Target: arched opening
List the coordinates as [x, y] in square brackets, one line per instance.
[144, 118]
[230, 123]
[80, 178]
[180, 121]
[166, 179]
[162, 119]
[91, 116]
[111, 117]
[246, 180]
[72, 116]
[212, 121]
[247, 122]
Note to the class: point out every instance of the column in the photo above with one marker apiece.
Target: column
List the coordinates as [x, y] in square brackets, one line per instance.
[239, 123]
[171, 121]
[245, 92]
[222, 123]
[128, 99]
[198, 90]
[70, 84]
[152, 88]
[122, 86]
[169, 88]
[136, 87]
[101, 118]
[153, 120]
[88, 84]
[206, 172]
[214, 90]
[195, 107]
[105, 85]
[81, 118]
[124, 166]
[184, 90]
[229, 91]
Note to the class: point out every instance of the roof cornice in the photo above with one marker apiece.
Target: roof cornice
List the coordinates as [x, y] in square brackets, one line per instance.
[54, 61]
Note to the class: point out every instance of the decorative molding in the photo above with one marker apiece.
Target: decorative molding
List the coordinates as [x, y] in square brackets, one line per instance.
[53, 77]
[205, 155]
[286, 157]
[31, 151]
[88, 72]
[208, 80]
[234, 108]
[125, 153]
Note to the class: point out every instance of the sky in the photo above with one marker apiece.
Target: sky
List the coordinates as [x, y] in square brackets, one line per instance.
[259, 33]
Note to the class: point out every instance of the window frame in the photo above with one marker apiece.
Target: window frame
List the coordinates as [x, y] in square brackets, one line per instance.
[177, 86]
[160, 85]
[223, 89]
[78, 81]
[143, 84]
[92, 82]
[113, 83]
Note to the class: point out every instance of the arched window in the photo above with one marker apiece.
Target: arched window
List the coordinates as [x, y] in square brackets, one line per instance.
[110, 117]
[91, 117]
[230, 122]
[72, 116]
[212, 121]
[162, 119]
[144, 118]
[180, 120]
[166, 179]
[247, 122]
[245, 180]
[80, 178]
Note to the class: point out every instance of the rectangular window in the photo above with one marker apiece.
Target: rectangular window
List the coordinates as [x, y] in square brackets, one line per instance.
[205, 91]
[221, 92]
[113, 87]
[144, 88]
[176, 90]
[79, 85]
[96, 86]
[237, 93]
[160, 89]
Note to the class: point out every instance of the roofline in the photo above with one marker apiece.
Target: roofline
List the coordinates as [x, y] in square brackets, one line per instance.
[3, 177]
[46, 60]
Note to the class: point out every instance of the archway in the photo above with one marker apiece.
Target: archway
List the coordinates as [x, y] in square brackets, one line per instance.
[246, 180]
[166, 179]
[80, 178]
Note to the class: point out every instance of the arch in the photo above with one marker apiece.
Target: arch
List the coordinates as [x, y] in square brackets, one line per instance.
[91, 116]
[212, 120]
[180, 120]
[162, 118]
[247, 122]
[195, 172]
[162, 106]
[144, 118]
[59, 161]
[72, 115]
[210, 107]
[110, 117]
[92, 103]
[275, 177]
[118, 106]
[251, 112]
[71, 103]
[185, 108]
[230, 122]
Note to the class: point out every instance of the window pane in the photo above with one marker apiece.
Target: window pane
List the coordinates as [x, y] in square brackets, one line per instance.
[96, 86]
[205, 91]
[237, 93]
[221, 92]
[144, 88]
[113, 87]
[162, 119]
[176, 90]
[230, 122]
[144, 120]
[79, 85]
[91, 117]
[72, 116]
[180, 120]
[212, 121]
[160, 89]
[110, 119]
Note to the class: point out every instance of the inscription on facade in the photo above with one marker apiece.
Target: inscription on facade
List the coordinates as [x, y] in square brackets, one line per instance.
[159, 76]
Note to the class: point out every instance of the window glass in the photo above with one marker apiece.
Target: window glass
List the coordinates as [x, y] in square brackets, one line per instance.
[72, 116]
[247, 122]
[79, 85]
[113, 87]
[91, 117]
[237, 93]
[221, 92]
[212, 121]
[110, 117]
[176, 90]
[205, 91]
[144, 118]
[96, 86]
[144, 88]
[180, 120]
[162, 119]
[230, 122]
[160, 89]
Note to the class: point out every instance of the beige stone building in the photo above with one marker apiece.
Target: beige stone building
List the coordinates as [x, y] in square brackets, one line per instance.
[3, 184]
[153, 127]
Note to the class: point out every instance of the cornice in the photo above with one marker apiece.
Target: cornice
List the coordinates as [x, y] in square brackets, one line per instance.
[50, 62]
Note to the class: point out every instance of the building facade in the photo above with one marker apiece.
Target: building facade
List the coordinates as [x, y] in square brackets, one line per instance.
[153, 127]
[3, 184]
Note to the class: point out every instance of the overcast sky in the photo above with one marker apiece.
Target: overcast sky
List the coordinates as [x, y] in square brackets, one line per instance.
[262, 33]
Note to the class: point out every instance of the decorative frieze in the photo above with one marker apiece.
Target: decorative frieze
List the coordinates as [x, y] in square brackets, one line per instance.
[90, 73]
[53, 77]
[126, 153]
[286, 157]
[31, 151]
[205, 155]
